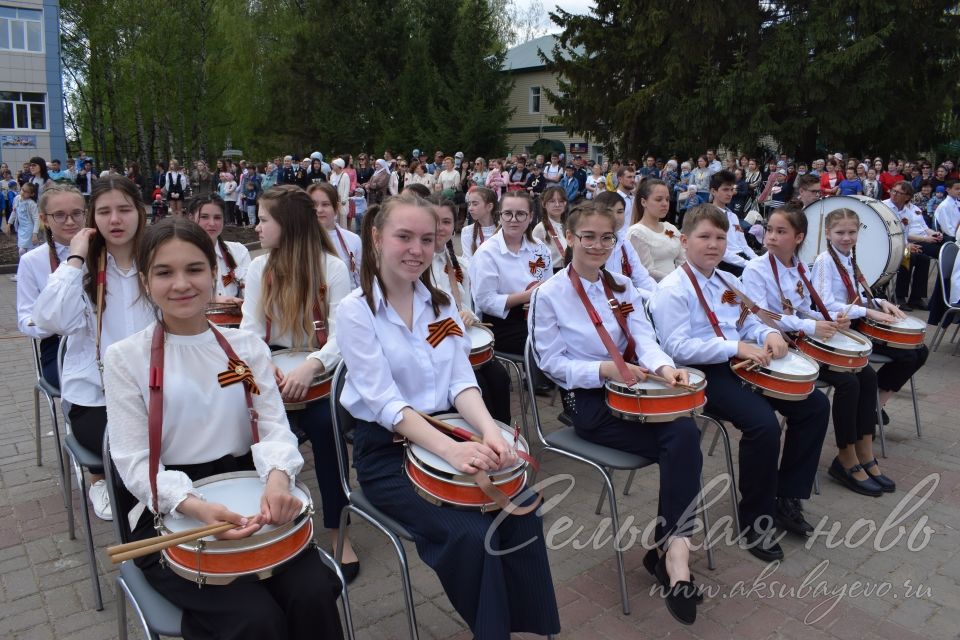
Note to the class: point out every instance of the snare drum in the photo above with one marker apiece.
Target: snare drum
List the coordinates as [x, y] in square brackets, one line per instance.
[224, 314]
[213, 561]
[439, 483]
[481, 345]
[792, 377]
[289, 359]
[908, 333]
[846, 351]
[880, 243]
[651, 401]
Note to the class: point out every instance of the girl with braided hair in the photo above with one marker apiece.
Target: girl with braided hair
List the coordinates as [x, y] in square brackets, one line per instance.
[482, 207]
[233, 259]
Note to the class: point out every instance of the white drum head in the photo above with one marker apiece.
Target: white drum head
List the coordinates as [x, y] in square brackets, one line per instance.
[695, 379]
[911, 323]
[287, 361]
[844, 341]
[794, 364]
[480, 337]
[436, 462]
[240, 495]
[879, 242]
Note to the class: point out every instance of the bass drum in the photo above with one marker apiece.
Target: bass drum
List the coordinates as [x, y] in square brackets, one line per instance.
[880, 244]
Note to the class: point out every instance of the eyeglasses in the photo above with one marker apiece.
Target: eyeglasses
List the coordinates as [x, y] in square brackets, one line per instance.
[898, 193]
[589, 241]
[403, 166]
[75, 216]
[511, 216]
[816, 191]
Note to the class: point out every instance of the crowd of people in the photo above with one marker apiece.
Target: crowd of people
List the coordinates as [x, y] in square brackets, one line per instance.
[609, 272]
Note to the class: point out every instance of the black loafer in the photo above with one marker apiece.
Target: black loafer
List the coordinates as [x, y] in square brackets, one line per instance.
[681, 598]
[761, 545]
[886, 484]
[650, 561]
[789, 516]
[845, 477]
[350, 570]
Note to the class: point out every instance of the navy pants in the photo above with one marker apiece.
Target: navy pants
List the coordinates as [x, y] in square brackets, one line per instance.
[906, 362]
[854, 403]
[675, 446]
[494, 383]
[761, 481]
[494, 594]
[48, 360]
[316, 422]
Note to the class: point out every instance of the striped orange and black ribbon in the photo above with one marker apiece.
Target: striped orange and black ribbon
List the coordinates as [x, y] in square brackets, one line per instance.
[437, 331]
[457, 273]
[626, 308]
[227, 279]
[539, 264]
[238, 371]
[729, 297]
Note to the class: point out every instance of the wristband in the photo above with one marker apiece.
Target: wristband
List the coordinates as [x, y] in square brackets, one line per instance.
[72, 256]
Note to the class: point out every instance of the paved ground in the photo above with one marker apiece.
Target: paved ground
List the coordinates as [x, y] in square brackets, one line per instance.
[899, 581]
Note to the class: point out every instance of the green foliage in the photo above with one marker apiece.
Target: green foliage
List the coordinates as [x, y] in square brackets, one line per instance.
[857, 75]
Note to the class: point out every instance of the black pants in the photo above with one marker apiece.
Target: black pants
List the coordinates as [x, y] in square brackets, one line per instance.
[88, 425]
[48, 360]
[906, 362]
[494, 382]
[914, 278]
[675, 446]
[510, 335]
[854, 404]
[299, 601]
[761, 482]
[730, 268]
[232, 215]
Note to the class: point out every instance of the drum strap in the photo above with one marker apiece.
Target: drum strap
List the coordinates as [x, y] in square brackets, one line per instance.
[852, 295]
[319, 320]
[802, 272]
[630, 353]
[343, 245]
[711, 316]
[625, 267]
[556, 238]
[155, 406]
[454, 284]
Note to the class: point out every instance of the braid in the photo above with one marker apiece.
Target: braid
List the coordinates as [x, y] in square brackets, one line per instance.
[611, 280]
[227, 256]
[54, 258]
[476, 234]
[453, 260]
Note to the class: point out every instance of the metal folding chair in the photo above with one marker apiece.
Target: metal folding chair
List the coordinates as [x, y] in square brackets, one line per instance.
[51, 394]
[514, 363]
[948, 258]
[880, 359]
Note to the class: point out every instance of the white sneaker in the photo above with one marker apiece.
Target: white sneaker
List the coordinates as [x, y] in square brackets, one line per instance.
[100, 500]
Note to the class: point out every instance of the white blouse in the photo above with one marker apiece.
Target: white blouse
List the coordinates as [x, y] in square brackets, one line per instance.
[661, 252]
[910, 219]
[466, 238]
[565, 341]
[683, 327]
[738, 251]
[541, 234]
[441, 268]
[761, 285]
[391, 367]
[828, 283]
[241, 256]
[202, 421]
[496, 272]
[947, 216]
[639, 275]
[33, 272]
[254, 318]
[63, 308]
[349, 249]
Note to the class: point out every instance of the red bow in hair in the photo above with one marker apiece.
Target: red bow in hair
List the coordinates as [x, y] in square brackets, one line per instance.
[437, 331]
[539, 264]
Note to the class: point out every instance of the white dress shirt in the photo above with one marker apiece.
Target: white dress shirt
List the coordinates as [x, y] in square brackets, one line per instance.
[202, 421]
[32, 275]
[391, 367]
[828, 283]
[737, 246]
[496, 272]
[682, 324]
[254, 318]
[565, 341]
[947, 216]
[910, 219]
[627, 203]
[761, 285]
[242, 258]
[466, 238]
[441, 269]
[546, 238]
[660, 253]
[955, 283]
[640, 277]
[63, 308]
[348, 245]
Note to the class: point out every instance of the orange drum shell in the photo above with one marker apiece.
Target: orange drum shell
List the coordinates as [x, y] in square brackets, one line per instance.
[831, 359]
[897, 339]
[774, 387]
[225, 319]
[447, 493]
[662, 408]
[318, 391]
[224, 567]
[480, 358]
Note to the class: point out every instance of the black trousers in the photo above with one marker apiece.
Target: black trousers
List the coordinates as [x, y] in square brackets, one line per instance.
[494, 383]
[510, 333]
[298, 601]
[315, 421]
[761, 481]
[496, 594]
[48, 360]
[88, 425]
[675, 446]
[906, 362]
[914, 278]
[854, 404]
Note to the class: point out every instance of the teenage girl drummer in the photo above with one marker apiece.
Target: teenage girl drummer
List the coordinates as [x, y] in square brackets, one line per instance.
[402, 341]
[326, 199]
[233, 259]
[177, 273]
[482, 207]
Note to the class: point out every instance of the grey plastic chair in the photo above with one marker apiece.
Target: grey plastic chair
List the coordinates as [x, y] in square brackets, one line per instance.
[343, 425]
[79, 457]
[605, 460]
[948, 258]
[50, 394]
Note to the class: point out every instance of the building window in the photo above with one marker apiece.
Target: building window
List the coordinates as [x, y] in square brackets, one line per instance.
[21, 29]
[23, 110]
[535, 99]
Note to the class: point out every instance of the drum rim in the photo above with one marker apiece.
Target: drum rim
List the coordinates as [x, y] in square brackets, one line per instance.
[892, 329]
[320, 378]
[658, 417]
[460, 479]
[474, 350]
[793, 376]
[621, 389]
[225, 308]
[818, 343]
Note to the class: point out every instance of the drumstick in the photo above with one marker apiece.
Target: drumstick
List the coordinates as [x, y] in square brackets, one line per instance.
[463, 434]
[667, 381]
[749, 364]
[132, 550]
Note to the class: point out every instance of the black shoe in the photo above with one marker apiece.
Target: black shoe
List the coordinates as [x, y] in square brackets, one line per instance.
[886, 418]
[650, 561]
[845, 477]
[681, 598]
[789, 516]
[543, 389]
[350, 570]
[886, 484]
[761, 545]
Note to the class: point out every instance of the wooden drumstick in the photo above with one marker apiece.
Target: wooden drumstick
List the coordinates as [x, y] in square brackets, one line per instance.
[140, 548]
[746, 364]
[463, 434]
[667, 381]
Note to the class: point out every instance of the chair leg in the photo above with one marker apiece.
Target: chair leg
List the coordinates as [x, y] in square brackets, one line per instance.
[510, 364]
[732, 488]
[816, 483]
[68, 493]
[711, 561]
[626, 487]
[916, 406]
[615, 514]
[56, 434]
[36, 423]
[713, 443]
[121, 614]
[883, 441]
[407, 590]
[91, 551]
[603, 490]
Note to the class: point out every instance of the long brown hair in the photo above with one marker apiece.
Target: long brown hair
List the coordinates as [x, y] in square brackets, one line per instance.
[295, 274]
[545, 197]
[793, 214]
[644, 191]
[488, 197]
[193, 210]
[377, 217]
[331, 192]
[131, 192]
[581, 212]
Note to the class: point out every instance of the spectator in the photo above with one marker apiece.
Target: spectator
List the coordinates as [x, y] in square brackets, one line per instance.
[287, 173]
[341, 181]
[649, 168]
[365, 171]
[419, 175]
[871, 186]
[497, 178]
[379, 182]
[250, 193]
[315, 174]
[228, 192]
[553, 172]
[700, 177]
[39, 176]
[175, 186]
[889, 178]
[86, 178]
[448, 181]
[713, 165]
[830, 179]
[399, 177]
[518, 175]
[596, 183]
[850, 185]
[570, 184]
[133, 172]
